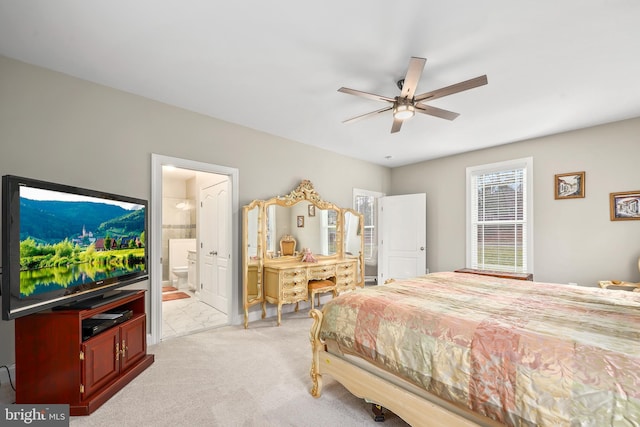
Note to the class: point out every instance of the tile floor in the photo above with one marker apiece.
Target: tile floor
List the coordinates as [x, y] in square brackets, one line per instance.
[188, 315]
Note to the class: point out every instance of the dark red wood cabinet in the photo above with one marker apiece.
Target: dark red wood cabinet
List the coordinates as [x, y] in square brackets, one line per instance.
[54, 364]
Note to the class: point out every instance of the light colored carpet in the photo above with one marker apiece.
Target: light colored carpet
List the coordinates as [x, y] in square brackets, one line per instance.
[234, 377]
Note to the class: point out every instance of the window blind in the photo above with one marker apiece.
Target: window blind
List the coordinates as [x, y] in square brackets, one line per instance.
[365, 202]
[499, 220]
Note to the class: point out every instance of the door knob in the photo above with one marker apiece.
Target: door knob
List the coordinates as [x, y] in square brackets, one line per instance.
[213, 253]
[422, 248]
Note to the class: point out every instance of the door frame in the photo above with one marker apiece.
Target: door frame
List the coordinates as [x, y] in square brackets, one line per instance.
[155, 290]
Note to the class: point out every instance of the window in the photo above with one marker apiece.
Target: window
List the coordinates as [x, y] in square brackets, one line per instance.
[500, 217]
[365, 202]
[328, 221]
[271, 229]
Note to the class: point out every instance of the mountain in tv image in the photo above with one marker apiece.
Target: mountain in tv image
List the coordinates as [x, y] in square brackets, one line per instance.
[51, 221]
[70, 243]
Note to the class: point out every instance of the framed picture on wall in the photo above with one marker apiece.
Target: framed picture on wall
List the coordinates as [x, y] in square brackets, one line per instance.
[625, 206]
[569, 185]
[300, 220]
[312, 210]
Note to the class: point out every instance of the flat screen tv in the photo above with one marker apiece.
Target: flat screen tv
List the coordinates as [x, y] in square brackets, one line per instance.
[65, 246]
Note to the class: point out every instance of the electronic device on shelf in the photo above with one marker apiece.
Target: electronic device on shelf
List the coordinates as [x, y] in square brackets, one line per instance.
[63, 244]
[103, 321]
[97, 301]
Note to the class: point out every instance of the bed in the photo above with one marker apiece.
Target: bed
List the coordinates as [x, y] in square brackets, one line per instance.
[468, 349]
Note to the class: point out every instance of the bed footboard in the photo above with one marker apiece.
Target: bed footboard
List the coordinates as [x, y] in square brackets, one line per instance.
[411, 407]
[317, 347]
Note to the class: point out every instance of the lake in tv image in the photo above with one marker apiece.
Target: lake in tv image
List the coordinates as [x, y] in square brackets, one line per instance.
[67, 240]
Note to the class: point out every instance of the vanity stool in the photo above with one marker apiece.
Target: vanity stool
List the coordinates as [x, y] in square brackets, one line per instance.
[317, 287]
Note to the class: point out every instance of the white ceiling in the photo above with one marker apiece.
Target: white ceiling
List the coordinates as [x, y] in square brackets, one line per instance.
[275, 66]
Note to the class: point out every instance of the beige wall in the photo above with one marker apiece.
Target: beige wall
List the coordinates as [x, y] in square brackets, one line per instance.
[58, 128]
[574, 240]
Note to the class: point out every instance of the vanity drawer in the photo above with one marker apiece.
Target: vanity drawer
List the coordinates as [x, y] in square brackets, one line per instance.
[294, 293]
[345, 276]
[293, 275]
[321, 272]
[346, 268]
[276, 280]
[293, 282]
[345, 286]
[293, 285]
[345, 272]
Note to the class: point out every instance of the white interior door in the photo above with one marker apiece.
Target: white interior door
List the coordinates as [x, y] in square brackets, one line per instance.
[215, 245]
[402, 236]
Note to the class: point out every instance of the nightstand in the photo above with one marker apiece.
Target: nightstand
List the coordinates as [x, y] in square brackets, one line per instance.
[617, 284]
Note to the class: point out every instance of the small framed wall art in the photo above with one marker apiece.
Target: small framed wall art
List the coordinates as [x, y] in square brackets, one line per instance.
[312, 210]
[625, 206]
[300, 219]
[569, 185]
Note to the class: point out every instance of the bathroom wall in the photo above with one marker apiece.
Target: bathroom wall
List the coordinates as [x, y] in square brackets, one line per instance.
[178, 214]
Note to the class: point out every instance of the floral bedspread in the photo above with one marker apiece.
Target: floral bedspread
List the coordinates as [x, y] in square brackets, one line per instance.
[523, 353]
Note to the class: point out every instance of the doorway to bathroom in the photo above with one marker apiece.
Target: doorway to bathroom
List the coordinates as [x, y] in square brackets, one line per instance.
[194, 216]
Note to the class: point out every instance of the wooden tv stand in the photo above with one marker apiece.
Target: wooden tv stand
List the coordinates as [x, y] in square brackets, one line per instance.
[54, 365]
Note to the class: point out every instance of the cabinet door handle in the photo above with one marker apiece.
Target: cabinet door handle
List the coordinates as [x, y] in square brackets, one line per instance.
[117, 351]
[124, 349]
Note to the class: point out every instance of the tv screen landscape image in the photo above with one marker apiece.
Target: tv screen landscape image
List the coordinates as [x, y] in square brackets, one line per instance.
[63, 244]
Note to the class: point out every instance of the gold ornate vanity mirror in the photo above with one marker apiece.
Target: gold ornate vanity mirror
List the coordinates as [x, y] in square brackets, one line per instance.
[353, 240]
[317, 232]
[252, 257]
[288, 232]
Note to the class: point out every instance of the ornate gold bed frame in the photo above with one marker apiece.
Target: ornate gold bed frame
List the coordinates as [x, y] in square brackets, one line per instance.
[422, 409]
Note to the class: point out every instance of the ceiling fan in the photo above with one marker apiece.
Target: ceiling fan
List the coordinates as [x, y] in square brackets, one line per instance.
[407, 103]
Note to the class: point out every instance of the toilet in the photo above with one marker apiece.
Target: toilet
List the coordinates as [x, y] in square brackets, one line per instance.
[179, 250]
[180, 277]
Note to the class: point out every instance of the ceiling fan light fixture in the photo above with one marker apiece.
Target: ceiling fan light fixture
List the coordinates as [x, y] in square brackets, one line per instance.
[405, 105]
[403, 111]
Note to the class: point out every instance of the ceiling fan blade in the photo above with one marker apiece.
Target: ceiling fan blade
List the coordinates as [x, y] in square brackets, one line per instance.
[435, 111]
[449, 90]
[397, 124]
[366, 115]
[365, 94]
[416, 65]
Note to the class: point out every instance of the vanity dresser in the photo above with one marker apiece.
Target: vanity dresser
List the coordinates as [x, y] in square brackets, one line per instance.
[328, 249]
